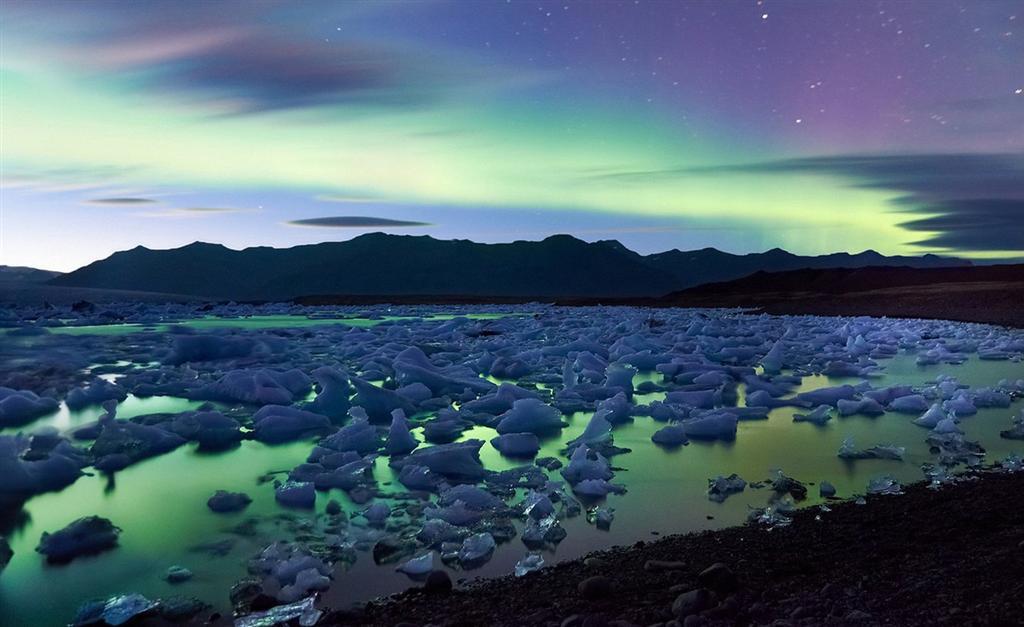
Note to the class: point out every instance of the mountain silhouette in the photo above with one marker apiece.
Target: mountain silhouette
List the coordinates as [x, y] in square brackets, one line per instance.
[378, 264]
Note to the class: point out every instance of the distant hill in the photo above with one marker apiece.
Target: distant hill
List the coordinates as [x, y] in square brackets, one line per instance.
[22, 274]
[383, 265]
[696, 267]
[992, 294]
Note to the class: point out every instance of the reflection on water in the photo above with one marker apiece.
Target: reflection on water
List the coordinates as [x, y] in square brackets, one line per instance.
[256, 322]
[161, 503]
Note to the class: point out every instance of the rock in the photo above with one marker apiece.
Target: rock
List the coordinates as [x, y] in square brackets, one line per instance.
[84, 536]
[574, 620]
[826, 489]
[692, 602]
[593, 563]
[223, 501]
[858, 615]
[180, 609]
[333, 507]
[718, 577]
[177, 574]
[695, 620]
[438, 582]
[659, 565]
[594, 588]
[248, 596]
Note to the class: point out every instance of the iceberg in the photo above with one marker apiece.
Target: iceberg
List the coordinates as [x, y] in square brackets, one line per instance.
[476, 550]
[517, 444]
[721, 487]
[530, 415]
[530, 562]
[20, 407]
[84, 536]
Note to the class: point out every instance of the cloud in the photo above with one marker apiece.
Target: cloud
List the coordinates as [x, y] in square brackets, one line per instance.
[354, 222]
[976, 224]
[254, 57]
[969, 201]
[192, 212]
[124, 200]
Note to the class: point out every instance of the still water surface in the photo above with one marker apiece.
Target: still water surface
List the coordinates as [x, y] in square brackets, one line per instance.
[161, 503]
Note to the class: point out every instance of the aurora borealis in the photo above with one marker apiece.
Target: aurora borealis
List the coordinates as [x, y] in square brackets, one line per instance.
[744, 125]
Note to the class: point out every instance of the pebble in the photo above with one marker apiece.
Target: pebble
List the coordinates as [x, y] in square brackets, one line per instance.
[692, 602]
[437, 582]
[658, 565]
[594, 588]
[719, 577]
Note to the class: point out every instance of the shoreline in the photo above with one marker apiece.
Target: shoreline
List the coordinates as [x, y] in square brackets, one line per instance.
[953, 555]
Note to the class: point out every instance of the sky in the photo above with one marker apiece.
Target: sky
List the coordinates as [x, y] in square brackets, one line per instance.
[815, 126]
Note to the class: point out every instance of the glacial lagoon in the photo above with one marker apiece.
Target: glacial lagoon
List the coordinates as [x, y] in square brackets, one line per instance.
[641, 370]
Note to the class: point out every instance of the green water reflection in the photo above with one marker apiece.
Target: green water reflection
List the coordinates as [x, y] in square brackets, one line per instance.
[160, 503]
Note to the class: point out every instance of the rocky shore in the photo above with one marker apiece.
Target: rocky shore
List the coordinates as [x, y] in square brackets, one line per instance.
[949, 556]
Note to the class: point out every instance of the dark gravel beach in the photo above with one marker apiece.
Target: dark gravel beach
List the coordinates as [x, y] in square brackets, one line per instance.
[950, 556]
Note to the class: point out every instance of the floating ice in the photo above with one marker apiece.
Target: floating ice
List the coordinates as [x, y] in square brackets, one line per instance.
[849, 450]
[517, 444]
[377, 513]
[530, 562]
[400, 441]
[19, 407]
[296, 494]
[259, 387]
[460, 460]
[909, 404]
[601, 517]
[537, 505]
[866, 406]
[476, 550]
[305, 611]
[597, 432]
[884, 485]
[819, 416]
[418, 566]
[223, 501]
[211, 429]
[539, 532]
[721, 487]
[333, 399]
[711, 426]
[1016, 432]
[84, 536]
[529, 415]
[276, 423]
[117, 610]
[43, 472]
[932, 417]
[671, 435]
[358, 436]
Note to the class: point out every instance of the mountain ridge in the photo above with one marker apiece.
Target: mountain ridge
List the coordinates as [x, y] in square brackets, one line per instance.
[382, 264]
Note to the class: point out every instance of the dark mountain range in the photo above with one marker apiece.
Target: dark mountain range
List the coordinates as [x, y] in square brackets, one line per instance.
[377, 264]
[22, 274]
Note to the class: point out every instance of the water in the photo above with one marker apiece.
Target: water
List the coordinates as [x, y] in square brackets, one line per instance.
[160, 503]
[254, 323]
